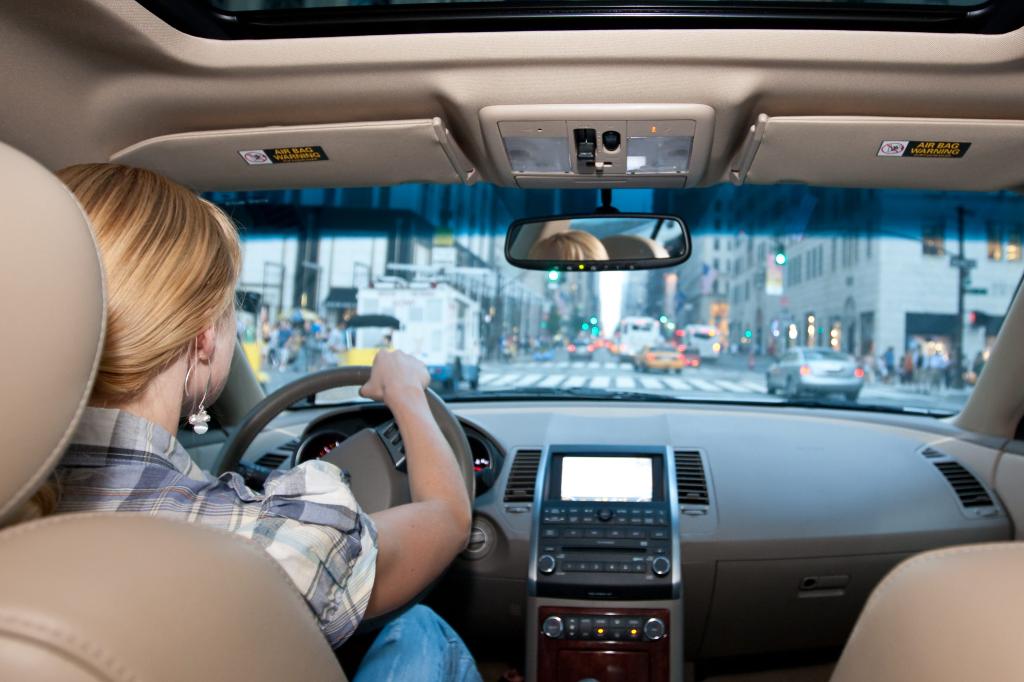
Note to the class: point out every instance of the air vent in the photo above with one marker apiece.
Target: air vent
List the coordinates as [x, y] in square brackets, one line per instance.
[273, 459]
[691, 482]
[966, 486]
[523, 477]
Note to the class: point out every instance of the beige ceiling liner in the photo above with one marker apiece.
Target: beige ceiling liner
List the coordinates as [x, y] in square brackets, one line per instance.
[339, 155]
[866, 151]
[85, 79]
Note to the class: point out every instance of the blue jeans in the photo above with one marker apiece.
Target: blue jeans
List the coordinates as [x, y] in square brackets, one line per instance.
[418, 646]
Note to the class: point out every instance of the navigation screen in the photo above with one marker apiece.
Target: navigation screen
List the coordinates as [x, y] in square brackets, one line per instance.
[607, 479]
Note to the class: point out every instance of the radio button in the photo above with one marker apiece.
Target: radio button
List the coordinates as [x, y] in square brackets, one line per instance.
[552, 627]
[549, 533]
[572, 533]
[654, 629]
[616, 533]
[637, 534]
[546, 564]
[594, 533]
[604, 514]
[659, 534]
[661, 566]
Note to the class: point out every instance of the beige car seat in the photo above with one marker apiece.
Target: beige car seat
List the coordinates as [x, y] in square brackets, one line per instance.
[948, 615]
[105, 597]
[631, 246]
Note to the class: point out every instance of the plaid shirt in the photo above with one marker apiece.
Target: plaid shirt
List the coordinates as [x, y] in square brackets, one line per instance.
[306, 517]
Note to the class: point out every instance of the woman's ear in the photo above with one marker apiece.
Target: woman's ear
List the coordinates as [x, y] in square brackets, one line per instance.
[206, 342]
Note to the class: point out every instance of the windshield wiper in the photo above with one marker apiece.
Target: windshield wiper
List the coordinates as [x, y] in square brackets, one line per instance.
[862, 407]
[577, 392]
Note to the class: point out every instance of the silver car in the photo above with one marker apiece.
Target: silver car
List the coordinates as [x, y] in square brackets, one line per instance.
[804, 371]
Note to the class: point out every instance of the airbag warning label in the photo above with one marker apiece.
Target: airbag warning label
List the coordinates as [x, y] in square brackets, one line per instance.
[262, 157]
[927, 149]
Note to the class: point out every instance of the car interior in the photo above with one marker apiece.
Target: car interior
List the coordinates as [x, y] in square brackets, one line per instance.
[617, 536]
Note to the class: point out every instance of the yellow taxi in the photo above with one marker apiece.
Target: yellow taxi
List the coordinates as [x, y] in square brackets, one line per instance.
[664, 358]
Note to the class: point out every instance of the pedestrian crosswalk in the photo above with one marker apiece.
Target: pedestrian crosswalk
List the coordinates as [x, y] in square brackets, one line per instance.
[524, 377]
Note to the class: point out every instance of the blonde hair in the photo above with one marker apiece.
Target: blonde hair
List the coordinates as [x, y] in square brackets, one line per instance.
[171, 261]
[569, 245]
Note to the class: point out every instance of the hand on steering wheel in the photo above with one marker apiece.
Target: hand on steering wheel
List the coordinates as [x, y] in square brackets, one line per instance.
[376, 482]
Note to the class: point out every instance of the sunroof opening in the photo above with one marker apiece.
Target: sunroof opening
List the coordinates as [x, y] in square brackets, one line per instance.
[273, 5]
[269, 19]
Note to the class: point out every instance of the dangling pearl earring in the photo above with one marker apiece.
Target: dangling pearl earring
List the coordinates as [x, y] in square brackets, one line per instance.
[199, 418]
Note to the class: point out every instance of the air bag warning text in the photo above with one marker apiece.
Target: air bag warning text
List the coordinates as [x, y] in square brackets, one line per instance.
[262, 157]
[929, 149]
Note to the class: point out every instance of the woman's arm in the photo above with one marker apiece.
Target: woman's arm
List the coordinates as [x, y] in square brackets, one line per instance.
[416, 541]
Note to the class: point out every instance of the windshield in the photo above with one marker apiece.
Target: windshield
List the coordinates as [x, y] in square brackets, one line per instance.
[793, 294]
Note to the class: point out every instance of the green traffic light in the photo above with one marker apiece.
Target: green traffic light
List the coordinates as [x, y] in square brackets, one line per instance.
[593, 320]
[780, 258]
[747, 333]
[553, 275]
[584, 326]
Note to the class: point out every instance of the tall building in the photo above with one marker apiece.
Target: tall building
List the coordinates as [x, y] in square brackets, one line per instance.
[858, 270]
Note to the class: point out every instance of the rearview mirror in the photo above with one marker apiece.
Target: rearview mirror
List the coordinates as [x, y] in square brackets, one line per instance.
[601, 241]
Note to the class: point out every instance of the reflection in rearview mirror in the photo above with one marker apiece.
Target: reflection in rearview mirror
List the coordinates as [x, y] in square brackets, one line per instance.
[598, 242]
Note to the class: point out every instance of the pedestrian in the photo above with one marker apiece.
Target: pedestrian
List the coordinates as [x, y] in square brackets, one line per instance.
[336, 344]
[889, 363]
[937, 365]
[978, 364]
[282, 345]
[907, 377]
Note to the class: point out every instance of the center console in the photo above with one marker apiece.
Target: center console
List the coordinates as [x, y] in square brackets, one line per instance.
[604, 577]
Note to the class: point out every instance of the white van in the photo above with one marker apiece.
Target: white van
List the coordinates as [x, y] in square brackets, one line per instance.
[633, 334]
[703, 340]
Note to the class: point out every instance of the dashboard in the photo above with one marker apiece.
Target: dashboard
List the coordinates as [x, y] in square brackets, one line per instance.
[792, 513]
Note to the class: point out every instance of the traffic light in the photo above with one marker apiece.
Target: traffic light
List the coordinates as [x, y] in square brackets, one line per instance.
[593, 320]
[585, 326]
[780, 255]
[553, 275]
[748, 333]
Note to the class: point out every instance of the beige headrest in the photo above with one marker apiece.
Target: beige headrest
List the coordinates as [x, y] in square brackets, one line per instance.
[52, 315]
[633, 246]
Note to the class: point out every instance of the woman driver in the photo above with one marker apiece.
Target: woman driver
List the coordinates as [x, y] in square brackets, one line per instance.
[171, 262]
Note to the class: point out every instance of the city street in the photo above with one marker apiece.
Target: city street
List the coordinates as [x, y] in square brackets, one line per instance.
[724, 379]
[728, 378]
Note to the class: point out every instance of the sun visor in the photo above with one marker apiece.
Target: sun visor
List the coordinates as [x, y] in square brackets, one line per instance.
[361, 154]
[864, 151]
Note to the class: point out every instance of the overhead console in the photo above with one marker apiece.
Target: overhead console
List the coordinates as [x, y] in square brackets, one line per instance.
[599, 145]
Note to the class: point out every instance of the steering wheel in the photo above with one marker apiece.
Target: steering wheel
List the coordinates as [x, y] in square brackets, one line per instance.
[372, 457]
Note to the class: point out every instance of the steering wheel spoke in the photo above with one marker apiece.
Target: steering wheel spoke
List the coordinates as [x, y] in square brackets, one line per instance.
[391, 437]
